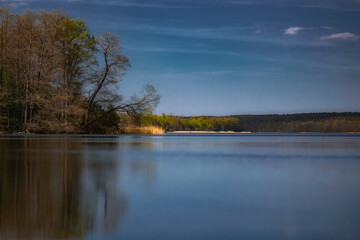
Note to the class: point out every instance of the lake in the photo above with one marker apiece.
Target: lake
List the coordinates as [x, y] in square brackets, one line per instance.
[180, 186]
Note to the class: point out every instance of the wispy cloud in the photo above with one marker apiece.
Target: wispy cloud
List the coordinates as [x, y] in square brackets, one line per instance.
[341, 36]
[252, 56]
[117, 3]
[216, 33]
[335, 5]
[326, 27]
[137, 3]
[352, 7]
[338, 5]
[292, 30]
[15, 3]
[141, 4]
[235, 33]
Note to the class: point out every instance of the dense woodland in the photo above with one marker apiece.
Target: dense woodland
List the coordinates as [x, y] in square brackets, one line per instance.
[170, 123]
[56, 77]
[304, 122]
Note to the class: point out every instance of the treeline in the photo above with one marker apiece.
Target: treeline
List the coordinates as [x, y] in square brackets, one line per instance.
[171, 123]
[304, 122]
[56, 77]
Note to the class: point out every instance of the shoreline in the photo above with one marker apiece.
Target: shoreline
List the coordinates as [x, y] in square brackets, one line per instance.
[208, 132]
[175, 132]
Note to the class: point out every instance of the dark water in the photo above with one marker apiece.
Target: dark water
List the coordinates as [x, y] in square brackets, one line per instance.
[180, 187]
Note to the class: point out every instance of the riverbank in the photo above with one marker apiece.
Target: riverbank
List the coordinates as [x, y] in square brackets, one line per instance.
[151, 130]
[206, 132]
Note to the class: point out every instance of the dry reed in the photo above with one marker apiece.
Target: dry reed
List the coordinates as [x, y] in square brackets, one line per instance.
[150, 130]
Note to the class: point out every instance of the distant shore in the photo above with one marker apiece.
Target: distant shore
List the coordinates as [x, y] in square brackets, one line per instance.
[207, 132]
[248, 132]
[160, 132]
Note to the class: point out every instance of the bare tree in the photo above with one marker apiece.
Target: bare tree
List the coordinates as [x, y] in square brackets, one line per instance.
[105, 91]
[106, 79]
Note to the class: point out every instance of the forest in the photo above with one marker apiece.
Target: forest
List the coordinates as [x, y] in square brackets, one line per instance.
[170, 123]
[302, 122]
[56, 77]
[288, 123]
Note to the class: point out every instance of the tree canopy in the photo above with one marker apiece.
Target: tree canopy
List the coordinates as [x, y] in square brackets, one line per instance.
[55, 76]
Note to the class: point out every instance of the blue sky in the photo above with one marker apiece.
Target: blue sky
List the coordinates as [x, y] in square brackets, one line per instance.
[222, 57]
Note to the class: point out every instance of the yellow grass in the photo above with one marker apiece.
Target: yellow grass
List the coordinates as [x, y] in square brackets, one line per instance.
[142, 130]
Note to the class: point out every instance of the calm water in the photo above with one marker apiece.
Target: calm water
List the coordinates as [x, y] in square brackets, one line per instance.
[180, 187]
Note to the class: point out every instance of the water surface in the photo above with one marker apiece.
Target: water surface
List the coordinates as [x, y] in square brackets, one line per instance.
[180, 186]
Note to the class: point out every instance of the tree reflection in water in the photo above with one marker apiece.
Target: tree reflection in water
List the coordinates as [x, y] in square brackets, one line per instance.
[55, 187]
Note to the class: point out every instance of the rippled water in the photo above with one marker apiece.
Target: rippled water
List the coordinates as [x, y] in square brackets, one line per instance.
[250, 186]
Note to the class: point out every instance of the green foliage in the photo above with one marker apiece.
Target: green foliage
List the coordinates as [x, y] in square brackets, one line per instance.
[307, 122]
[51, 81]
[104, 123]
[173, 123]
[76, 40]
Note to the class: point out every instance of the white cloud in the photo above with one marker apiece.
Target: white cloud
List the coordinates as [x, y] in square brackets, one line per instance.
[138, 4]
[341, 36]
[337, 5]
[292, 30]
[15, 3]
[327, 28]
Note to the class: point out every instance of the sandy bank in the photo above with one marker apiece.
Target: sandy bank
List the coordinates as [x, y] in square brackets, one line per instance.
[207, 132]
